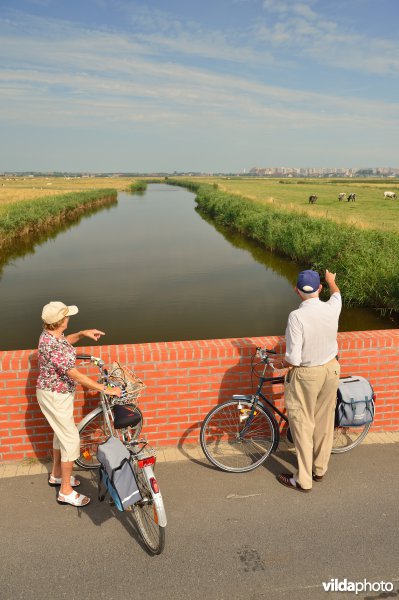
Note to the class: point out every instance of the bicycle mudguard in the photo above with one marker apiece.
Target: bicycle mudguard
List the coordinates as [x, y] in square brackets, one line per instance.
[156, 496]
[246, 397]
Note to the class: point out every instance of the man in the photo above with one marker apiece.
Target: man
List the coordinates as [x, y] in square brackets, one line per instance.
[311, 384]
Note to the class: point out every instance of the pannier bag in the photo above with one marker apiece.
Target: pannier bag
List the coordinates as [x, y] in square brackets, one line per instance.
[355, 402]
[116, 474]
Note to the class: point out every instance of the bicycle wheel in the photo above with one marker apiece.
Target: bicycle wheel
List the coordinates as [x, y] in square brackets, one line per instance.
[95, 432]
[234, 446]
[146, 514]
[347, 438]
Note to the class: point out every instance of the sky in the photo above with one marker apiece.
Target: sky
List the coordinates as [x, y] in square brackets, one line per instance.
[198, 85]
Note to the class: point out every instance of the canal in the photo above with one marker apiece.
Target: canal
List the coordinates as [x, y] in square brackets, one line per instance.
[151, 268]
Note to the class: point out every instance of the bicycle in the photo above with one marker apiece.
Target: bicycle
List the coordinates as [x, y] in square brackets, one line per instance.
[105, 421]
[238, 435]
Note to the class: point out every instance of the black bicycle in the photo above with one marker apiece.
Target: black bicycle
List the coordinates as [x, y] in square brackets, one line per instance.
[238, 435]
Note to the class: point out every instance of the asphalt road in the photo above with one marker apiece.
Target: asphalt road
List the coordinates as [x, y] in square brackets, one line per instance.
[228, 537]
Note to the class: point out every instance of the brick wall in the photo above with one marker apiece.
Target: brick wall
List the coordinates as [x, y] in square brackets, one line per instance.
[184, 380]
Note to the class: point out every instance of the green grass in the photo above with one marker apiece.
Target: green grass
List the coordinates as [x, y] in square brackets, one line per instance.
[371, 210]
[138, 186]
[366, 260]
[17, 219]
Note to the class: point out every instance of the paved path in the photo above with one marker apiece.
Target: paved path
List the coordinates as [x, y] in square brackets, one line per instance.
[35, 467]
[229, 537]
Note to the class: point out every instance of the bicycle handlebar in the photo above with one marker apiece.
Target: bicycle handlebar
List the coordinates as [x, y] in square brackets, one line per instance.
[93, 359]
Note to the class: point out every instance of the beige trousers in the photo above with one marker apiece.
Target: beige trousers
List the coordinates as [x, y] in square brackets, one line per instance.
[58, 410]
[310, 395]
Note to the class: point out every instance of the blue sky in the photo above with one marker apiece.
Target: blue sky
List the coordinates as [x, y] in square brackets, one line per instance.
[150, 85]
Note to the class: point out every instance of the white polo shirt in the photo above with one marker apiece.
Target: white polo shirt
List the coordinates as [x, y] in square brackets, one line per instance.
[311, 334]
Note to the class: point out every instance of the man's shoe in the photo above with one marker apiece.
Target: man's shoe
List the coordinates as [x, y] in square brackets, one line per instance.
[285, 479]
[317, 477]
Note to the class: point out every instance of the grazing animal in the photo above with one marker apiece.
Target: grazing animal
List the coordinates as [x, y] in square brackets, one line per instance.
[390, 195]
[312, 199]
[351, 197]
[341, 196]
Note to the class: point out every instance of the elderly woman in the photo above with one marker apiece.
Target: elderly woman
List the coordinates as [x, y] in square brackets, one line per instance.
[55, 393]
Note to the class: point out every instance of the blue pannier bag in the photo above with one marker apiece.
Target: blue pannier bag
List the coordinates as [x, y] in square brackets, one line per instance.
[355, 402]
[116, 474]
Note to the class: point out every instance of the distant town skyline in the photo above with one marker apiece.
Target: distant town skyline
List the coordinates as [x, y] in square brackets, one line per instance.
[280, 171]
[139, 86]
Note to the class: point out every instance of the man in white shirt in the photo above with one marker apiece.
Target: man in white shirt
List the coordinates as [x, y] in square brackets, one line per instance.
[311, 384]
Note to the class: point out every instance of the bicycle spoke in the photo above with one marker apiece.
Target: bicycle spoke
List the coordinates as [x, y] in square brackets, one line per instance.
[232, 442]
[347, 438]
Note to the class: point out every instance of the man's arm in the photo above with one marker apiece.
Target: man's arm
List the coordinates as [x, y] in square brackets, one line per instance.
[294, 340]
[330, 281]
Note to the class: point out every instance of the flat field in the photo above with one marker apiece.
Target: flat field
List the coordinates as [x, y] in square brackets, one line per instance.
[26, 188]
[370, 210]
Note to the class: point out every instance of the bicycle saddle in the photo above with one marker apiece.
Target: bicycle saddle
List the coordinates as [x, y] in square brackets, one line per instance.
[125, 416]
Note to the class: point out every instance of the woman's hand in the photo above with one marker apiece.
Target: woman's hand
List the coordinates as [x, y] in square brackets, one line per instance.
[93, 334]
[114, 391]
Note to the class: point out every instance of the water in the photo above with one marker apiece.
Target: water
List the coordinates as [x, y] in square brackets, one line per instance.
[151, 268]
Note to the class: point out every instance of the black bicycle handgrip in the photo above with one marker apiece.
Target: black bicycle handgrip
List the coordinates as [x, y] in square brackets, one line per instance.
[83, 356]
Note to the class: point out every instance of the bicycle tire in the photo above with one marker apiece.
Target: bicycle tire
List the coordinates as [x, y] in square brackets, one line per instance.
[219, 436]
[95, 432]
[347, 438]
[146, 515]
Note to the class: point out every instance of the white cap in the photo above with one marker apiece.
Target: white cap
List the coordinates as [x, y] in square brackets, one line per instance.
[56, 311]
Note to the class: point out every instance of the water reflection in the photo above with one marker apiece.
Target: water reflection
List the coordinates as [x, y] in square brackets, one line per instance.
[351, 319]
[27, 244]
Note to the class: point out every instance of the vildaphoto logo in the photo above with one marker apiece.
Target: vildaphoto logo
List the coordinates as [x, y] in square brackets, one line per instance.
[344, 585]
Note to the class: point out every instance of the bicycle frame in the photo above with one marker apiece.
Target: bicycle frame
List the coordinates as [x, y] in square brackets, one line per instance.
[103, 405]
[254, 400]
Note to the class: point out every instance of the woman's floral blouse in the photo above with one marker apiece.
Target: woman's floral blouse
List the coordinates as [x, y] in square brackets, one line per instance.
[56, 357]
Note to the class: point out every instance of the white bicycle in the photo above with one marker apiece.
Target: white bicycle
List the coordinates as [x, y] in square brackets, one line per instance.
[121, 417]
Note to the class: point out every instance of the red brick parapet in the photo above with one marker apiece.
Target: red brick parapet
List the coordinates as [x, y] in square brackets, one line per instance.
[184, 380]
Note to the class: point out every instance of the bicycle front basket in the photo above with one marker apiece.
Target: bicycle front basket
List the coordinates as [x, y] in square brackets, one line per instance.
[124, 377]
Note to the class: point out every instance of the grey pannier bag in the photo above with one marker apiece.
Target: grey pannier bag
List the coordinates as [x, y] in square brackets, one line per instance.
[116, 474]
[355, 402]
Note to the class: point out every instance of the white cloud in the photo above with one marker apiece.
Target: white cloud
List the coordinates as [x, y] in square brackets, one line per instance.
[57, 74]
[309, 34]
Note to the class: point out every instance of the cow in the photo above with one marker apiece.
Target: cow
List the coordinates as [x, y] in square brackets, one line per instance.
[390, 195]
[351, 197]
[312, 199]
[341, 196]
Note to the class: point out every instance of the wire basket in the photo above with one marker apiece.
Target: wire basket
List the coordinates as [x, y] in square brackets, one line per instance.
[128, 380]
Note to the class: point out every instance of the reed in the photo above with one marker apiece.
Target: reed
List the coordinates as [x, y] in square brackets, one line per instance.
[138, 186]
[21, 219]
[366, 261]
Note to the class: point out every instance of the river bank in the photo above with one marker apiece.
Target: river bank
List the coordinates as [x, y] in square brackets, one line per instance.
[26, 218]
[367, 261]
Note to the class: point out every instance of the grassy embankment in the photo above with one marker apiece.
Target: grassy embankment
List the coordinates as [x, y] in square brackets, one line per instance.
[365, 259]
[138, 186]
[20, 219]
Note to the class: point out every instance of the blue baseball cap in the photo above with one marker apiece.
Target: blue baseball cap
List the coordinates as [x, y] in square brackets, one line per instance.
[308, 281]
